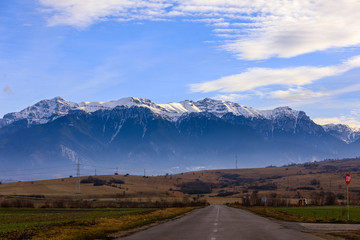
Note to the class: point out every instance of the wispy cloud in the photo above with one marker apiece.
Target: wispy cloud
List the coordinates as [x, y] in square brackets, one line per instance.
[82, 14]
[231, 97]
[269, 28]
[306, 96]
[296, 94]
[195, 168]
[259, 77]
[350, 120]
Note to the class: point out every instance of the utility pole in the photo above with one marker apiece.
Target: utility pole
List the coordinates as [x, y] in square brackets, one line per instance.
[236, 161]
[347, 201]
[144, 172]
[117, 171]
[77, 190]
[347, 180]
[95, 171]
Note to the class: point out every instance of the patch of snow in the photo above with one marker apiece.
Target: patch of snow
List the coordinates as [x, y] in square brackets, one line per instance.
[342, 132]
[279, 112]
[50, 109]
[116, 132]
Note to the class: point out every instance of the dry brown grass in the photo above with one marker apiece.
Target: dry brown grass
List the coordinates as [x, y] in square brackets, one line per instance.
[290, 183]
[347, 235]
[100, 229]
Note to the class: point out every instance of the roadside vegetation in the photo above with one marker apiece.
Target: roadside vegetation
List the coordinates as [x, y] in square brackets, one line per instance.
[324, 214]
[32, 223]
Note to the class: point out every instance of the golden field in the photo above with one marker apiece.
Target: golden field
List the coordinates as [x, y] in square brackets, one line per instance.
[308, 180]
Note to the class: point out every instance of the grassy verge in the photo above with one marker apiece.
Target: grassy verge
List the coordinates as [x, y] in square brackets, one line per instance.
[327, 214]
[77, 223]
[347, 235]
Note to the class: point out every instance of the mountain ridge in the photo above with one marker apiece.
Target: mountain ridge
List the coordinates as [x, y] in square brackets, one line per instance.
[138, 136]
[48, 110]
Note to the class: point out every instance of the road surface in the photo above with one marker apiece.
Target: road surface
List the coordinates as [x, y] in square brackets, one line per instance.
[218, 222]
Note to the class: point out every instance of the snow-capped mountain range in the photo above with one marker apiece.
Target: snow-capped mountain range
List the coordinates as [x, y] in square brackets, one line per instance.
[51, 109]
[343, 132]
[138, 133]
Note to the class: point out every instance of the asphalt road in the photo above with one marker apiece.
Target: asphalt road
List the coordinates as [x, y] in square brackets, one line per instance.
[218, 222]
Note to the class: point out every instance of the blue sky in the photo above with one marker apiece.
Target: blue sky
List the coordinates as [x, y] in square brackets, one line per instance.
[259, 53]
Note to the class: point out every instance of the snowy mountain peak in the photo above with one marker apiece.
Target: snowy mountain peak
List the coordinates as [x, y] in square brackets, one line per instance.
[50, 109]
[41, 112]
[342, 132]
[220, 108]
[281, 111]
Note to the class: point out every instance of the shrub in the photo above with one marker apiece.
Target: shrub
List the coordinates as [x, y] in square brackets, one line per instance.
[225, 194]
[116, 181]
[305, 188]
[330, 199]
[197, 187]
[5, 204]
[99, 182]
[20, 203]
[87, 180]
[59, 204]
[95, 181]
[340, 196]
[315, 182]
[264, 187]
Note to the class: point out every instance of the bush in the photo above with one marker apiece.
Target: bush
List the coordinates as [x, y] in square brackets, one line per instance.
[305, 188]
[340, 196]
[315, 182]
[264, 187]
[197, 187]
[21, 203]
[330, 199]
[95, 181]
[5, 204]
[99, 182]
[116, 181]
[225, 193]
[87, 180]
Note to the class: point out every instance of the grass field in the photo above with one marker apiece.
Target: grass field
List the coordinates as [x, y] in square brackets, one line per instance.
[77, 223]
[309, 180]
[328, 214]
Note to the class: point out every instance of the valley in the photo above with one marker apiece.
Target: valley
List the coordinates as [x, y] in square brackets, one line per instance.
[322, 183]
[136, 134]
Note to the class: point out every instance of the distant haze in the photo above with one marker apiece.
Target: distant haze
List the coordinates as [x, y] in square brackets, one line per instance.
[133, 134]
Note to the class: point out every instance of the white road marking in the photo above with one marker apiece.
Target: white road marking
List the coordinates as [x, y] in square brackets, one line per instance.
[216, 224]
[217, 214]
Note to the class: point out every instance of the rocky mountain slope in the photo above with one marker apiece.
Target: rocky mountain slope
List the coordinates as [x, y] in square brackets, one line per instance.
[136, 133]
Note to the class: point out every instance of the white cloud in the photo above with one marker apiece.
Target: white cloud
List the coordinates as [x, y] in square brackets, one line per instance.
[306, 96]
[269, 28]
[84, 13]
[260, 77]
[296, 94]
[195, 168]
[350, 120]
[231, 97]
